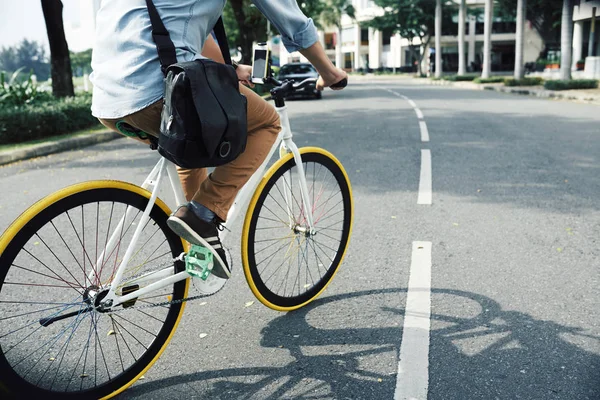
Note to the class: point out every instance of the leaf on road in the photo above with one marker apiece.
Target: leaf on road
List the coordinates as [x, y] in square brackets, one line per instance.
[393, 217]
[202, 304]
[203, 335]
[455, 223]
[559, 249]
[248, 303]
[379, 380]
[51, 359]
[111, 332]
[36, 243]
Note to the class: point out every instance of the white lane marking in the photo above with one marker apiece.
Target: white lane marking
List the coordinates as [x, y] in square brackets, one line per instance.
[424, 131]
[413, 368]
[419, 113]
[422, 123]
[425, 189]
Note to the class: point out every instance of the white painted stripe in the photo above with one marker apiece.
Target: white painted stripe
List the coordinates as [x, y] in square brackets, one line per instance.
[424, 131]
[419, 113]
[425, 191]
[412, 103]
[413, 368]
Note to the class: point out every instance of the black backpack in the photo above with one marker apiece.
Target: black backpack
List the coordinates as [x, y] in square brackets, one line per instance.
[203, 120]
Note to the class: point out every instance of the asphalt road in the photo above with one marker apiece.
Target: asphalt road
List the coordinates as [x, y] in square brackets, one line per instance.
[515, 230]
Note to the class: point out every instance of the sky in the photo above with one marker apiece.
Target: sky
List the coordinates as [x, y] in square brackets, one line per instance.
[23, 19]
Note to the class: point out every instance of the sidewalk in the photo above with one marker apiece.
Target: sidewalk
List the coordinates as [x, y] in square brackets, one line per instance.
[55, 146]
[591, 96]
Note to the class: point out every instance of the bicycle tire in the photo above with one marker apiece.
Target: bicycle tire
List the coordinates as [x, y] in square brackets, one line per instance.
[28, 235]
[269, 187]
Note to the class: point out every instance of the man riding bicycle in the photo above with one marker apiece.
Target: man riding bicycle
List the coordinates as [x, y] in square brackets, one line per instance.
[128, 91]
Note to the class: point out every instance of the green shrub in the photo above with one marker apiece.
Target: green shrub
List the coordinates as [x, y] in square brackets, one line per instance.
[459, 78]
[17, 91]
[493, 79]
[40, 120]
[572, 84]
[523, 82]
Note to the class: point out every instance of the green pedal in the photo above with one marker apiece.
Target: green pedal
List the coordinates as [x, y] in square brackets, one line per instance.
[199, 262]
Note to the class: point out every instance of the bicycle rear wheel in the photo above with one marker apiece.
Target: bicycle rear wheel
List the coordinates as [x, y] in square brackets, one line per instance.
[52, 261]
[287, 266]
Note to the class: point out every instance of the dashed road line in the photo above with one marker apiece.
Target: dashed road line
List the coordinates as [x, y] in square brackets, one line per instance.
[413, 367]
[420, 116]
[425, 186]
[419, 113]
[424, 131]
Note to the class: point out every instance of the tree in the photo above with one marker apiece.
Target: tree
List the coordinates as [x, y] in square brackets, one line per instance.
[544, 16]
[411, 19]
[60, 63]
[81, 62]
[566, 40]
[245, 24]
[29, 55]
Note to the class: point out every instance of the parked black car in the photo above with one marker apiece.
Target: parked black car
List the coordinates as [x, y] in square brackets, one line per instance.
[298, 72]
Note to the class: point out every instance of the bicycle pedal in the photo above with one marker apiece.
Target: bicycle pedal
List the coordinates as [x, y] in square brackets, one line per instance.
[127, 290]
[199, 262]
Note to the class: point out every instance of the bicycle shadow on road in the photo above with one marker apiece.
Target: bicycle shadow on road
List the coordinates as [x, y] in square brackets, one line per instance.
[521, 358]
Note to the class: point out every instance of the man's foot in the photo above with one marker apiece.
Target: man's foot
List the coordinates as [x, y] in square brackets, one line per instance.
[185, 223]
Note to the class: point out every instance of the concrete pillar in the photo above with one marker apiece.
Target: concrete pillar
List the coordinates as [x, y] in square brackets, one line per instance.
[592, 42]
[398, 61]
[462, 14]
[375, 48]
[438, 38]
[577, 43]
[487, 39]
[520, 39]
[471, 40]
[357, 57]
[339, 61]
[566, 40]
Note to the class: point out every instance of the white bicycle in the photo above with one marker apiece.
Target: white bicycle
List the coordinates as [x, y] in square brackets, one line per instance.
[93, 283]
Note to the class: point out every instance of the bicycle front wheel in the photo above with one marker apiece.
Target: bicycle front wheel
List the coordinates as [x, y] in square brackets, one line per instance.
[55, 261]
[285, 263]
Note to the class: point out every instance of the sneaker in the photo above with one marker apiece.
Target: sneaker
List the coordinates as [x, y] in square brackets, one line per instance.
[195, 230]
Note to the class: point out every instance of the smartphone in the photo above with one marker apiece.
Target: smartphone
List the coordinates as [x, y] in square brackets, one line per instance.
[259, 63]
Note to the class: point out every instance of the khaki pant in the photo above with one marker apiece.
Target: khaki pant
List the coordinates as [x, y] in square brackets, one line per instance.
[217, 191]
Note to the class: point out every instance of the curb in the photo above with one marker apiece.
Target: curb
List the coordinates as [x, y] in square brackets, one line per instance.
[541, 93]
[44, 149]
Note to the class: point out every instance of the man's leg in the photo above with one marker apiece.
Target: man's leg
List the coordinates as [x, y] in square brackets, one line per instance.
[148, 120]
[218, 191]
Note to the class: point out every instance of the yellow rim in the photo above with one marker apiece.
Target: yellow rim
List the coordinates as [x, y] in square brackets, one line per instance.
[47, 201]
[250, 211]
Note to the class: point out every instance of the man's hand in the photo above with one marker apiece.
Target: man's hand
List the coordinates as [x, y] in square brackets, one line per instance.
[244, 73]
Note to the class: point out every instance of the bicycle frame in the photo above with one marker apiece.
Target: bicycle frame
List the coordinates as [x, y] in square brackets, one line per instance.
[165, 168]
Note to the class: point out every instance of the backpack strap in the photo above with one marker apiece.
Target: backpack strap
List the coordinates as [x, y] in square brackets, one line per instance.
[164, 45]
[221, 36]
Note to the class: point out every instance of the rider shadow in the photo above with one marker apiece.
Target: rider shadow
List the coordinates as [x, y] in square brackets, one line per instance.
[481, 356]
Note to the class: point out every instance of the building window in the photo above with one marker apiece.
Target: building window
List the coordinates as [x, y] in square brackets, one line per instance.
[387, 36]
[364, 36]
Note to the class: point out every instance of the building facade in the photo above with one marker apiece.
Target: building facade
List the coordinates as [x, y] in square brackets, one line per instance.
[365, 48]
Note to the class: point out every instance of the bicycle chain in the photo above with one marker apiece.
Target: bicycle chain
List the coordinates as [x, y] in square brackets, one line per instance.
[171, 302]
